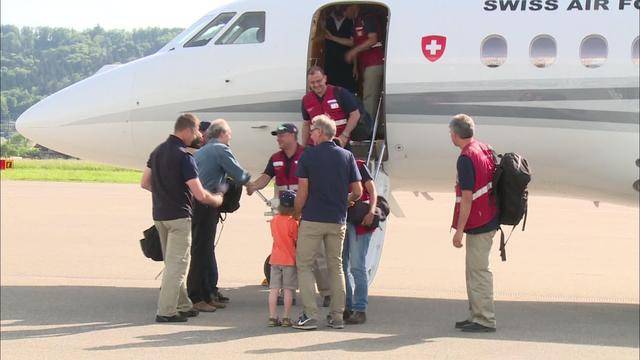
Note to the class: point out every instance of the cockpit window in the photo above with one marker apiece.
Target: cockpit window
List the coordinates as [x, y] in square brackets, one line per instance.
[210, 31]
[248, 29]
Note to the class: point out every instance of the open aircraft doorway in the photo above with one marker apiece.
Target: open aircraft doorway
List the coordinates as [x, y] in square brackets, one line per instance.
[338, 20]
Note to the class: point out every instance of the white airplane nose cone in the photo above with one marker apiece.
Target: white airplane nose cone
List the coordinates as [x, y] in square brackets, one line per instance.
[89, 119]
[29, 121]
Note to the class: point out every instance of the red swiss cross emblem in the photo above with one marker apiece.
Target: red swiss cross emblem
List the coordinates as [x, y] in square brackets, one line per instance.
[433, 46]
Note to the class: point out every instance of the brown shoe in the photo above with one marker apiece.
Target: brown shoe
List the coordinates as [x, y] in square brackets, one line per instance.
[357, 318]
[217, 304]
[204, 307]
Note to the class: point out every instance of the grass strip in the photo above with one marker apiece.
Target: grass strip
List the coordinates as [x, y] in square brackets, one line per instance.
[69, 170]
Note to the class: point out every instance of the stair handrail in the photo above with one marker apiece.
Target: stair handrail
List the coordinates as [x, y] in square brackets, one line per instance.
[374, 132]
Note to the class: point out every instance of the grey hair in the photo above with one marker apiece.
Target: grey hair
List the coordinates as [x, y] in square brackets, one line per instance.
[462, 125]
[325, 124]
[216, 129]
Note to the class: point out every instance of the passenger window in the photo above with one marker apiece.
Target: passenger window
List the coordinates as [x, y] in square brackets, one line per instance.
[593, 51]
[634, 52]
[494, 51]
[543, 51]
[210, 31]
[248, 29]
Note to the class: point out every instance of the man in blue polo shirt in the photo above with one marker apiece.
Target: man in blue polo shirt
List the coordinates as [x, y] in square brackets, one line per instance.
[172, 177]
[326, 173]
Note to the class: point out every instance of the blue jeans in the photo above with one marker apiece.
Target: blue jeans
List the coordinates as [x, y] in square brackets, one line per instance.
[354, 254]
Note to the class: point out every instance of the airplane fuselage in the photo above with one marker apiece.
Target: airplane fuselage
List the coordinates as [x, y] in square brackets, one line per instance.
[576, 124]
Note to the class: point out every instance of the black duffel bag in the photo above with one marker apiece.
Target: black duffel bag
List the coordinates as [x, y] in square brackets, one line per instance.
[150, 244]
[357, 212]
[231, 201]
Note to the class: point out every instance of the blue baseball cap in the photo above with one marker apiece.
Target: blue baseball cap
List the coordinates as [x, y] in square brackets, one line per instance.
[287, 198]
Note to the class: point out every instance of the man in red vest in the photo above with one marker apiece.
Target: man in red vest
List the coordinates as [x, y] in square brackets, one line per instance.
[282, 166]
[354, 253]
[476, 215]
[338, 103]
[368, 51]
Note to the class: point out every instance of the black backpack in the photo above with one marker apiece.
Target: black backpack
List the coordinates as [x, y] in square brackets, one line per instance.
[510, 181]
[150, 244]
[231, 201]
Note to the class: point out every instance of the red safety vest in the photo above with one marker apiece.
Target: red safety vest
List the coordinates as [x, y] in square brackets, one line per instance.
[328, 105]
[365, 194]
[286, 180]
[483, 206]
[365, 197]
[375, 54]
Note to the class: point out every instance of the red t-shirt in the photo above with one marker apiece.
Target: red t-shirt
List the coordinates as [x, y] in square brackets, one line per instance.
[284, 230]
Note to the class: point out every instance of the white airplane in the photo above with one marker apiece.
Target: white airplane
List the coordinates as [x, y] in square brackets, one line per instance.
[554, 80]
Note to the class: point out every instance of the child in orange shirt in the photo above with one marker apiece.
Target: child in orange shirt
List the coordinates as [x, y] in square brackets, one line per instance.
[284, 230]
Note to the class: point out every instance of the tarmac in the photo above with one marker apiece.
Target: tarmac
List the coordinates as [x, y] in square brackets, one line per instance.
[75, 285]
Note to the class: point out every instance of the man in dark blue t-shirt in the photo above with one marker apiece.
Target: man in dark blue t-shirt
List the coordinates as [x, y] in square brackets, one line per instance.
[325, 172]
[172, 177]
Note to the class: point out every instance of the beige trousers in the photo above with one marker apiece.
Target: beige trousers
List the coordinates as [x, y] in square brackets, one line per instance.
[480, 279]
[310, 236]
[321, 272]
[175, 238]
[371, 88]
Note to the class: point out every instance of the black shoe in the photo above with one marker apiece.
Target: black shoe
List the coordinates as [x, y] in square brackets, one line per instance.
[221, 298]
[174, 318]
[189, 313]
[326, 301]
[305, 323]
[477, 328]
[346, 314]
[357, 318]
[461, 324]
[334, 323]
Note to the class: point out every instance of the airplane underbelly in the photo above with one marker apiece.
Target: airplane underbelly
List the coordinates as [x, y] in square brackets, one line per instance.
[597, 164]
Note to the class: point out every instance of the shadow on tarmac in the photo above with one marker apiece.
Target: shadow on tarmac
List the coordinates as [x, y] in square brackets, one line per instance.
[400, 321]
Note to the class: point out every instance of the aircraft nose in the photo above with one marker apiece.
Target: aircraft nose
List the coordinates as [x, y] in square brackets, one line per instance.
[89, 119]
[31, 121]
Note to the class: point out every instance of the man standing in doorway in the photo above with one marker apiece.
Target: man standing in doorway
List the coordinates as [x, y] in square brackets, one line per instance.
[476, 215]
[368, 51]
[325, 173]
[172, 177]
[339, 72]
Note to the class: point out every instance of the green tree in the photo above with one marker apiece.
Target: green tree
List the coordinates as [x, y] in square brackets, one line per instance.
[36, 62]
[17, 145]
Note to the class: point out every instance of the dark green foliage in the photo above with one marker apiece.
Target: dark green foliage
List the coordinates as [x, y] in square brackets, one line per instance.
[36, 62]
[17, 145]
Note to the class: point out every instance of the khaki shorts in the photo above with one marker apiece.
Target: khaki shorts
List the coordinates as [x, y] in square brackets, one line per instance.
[283, 277]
